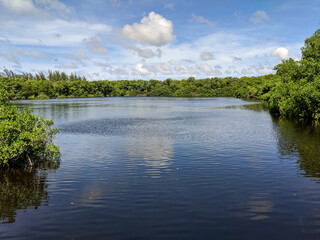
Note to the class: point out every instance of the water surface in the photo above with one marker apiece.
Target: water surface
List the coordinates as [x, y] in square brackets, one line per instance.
[167, 168]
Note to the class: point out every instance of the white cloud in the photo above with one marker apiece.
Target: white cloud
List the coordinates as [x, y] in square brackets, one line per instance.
[206, 56]
[201, 19]
[235, 59]
[81, 54]
[165, 69]
[118, 71]
[95, 46]
[205, 68]
[152, 29]
[104, 65]
[37, 54]
[247, 71]
[188, 60]
[51, 33]
[11, 57]
[60, 7]
[75, 58]
[259, 17]
[145, 53]
[281, 53]
[20, 7]
[141, 69]
[181, 69]
[262, 69]
[35, 8]
[68, 65]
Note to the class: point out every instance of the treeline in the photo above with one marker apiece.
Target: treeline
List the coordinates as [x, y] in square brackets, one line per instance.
[70, 86]
[53, 76]
[294, 91]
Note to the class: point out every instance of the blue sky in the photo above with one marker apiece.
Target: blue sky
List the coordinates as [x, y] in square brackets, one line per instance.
[149, 39]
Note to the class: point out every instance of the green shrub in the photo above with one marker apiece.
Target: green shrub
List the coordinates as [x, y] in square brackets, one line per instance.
[24, 137]
[61, 97]
[42, 96]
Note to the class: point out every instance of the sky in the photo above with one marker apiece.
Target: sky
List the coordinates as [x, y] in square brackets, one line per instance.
[154, 39]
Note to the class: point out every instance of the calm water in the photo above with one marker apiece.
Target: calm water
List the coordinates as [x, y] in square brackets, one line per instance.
[167, 168]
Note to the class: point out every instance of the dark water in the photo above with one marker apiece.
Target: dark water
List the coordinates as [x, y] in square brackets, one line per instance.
[167, 168]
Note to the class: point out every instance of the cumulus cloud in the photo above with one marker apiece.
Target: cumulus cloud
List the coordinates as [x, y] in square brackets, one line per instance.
[95, 46]
[259, 17]
[201, 19]
[141, 69]
[281, 53]
[145, 53]
[152, 29]
[206, 56]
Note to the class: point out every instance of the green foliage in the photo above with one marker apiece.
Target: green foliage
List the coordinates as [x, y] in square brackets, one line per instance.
[311, 50]
[298, 93]
[24, 137]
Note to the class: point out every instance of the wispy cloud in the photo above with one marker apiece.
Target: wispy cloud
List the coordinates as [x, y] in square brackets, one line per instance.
[201, 19]
[145, 53]
[259, 17]
[36, 8]
[206, 56]
[95, 46]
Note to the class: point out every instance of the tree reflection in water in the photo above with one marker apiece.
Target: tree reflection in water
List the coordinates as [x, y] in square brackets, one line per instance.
[300, 140]
[22, 189]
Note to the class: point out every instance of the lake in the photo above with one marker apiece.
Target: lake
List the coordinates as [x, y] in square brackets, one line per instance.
[167, 168]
